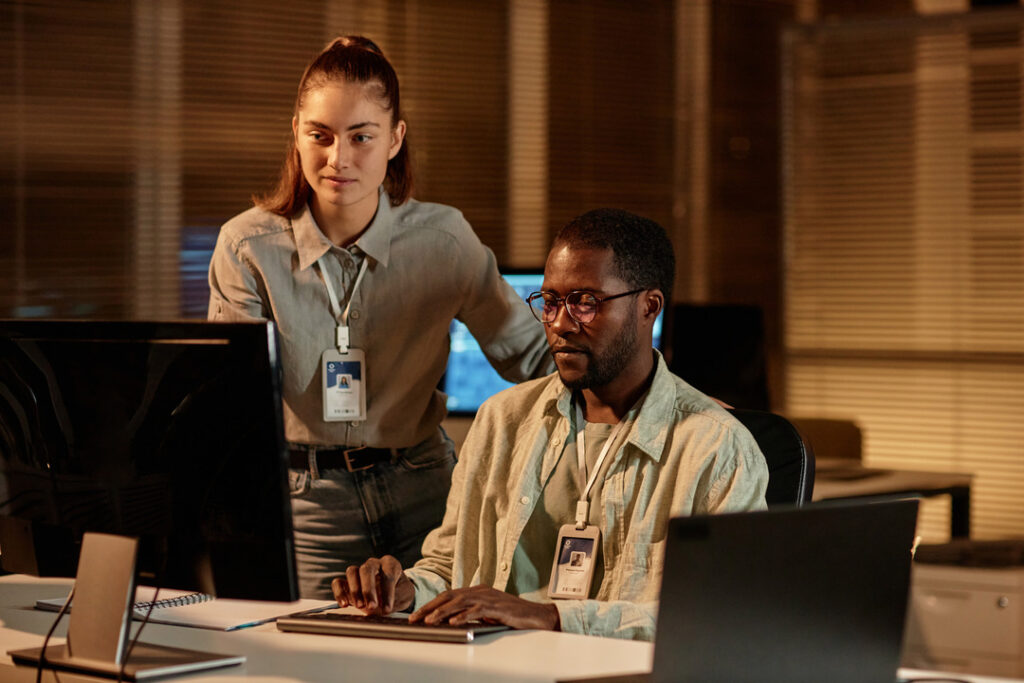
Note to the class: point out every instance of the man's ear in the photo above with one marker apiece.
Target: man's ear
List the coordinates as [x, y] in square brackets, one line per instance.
[653, 303]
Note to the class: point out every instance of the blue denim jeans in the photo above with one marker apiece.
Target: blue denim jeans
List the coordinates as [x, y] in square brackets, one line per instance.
[343, 517]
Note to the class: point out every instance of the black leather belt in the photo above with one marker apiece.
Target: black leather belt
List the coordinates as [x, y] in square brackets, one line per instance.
[353, 458]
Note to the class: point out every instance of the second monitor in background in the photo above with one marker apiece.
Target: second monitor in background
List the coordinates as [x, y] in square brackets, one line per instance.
[469, 379]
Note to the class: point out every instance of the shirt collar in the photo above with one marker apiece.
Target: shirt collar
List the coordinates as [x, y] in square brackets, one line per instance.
[376, 239]
[375, 242]
[310, 243]
[655, 412]
[651, 416]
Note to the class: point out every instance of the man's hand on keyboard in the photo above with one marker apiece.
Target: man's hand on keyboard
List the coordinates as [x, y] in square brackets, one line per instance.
[483, 603]
[377, 586]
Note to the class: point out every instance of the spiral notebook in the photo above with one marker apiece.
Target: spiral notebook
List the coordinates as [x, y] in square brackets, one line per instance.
[200, 610]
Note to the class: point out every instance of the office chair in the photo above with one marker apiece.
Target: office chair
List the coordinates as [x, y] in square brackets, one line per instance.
[790, 458]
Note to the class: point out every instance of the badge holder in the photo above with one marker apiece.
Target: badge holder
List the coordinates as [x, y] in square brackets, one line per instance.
[343, 381]
[342, 370]
[572, 571]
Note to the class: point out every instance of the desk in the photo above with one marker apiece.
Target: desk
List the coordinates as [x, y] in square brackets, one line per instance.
[841, 478]
[529, 656]
[273, 656]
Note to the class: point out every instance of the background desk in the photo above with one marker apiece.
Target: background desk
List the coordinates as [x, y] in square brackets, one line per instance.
[273, 656]
[839, 478]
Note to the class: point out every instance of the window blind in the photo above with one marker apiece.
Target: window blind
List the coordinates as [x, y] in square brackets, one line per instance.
[904, 246]
[130, 131]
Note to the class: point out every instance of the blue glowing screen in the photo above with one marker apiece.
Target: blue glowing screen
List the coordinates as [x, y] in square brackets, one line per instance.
[469, 379]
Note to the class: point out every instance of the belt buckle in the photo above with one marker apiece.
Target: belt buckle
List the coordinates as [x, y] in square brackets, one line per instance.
[348, 459]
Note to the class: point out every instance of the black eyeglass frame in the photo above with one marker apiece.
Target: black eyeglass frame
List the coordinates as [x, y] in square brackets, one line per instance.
[564, 300]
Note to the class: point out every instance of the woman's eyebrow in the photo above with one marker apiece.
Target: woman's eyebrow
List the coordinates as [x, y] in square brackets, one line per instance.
[354, 126]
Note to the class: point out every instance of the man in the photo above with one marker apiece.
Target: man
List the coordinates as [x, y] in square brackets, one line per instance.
[530, 524]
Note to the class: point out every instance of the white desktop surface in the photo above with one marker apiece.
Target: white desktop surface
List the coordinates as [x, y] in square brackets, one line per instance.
[275, 656]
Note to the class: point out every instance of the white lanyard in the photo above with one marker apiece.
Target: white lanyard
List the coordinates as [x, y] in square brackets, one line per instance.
[583, 505]
[341, 336]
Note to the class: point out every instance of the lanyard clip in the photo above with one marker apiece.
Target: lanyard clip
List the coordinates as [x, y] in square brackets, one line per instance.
[582, 513]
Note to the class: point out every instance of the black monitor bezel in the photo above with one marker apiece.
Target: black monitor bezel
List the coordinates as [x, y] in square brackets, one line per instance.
[261, 341]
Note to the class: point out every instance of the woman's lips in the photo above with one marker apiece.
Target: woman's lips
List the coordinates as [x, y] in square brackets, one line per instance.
[338, 181]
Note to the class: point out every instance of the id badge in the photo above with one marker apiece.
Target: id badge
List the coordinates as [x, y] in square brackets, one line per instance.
[343, 385]
[575, 556]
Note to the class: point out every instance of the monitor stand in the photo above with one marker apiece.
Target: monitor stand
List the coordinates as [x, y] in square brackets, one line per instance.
[99, 628]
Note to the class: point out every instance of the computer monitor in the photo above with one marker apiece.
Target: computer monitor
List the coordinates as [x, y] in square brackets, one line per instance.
[171, 433]
[469, 379]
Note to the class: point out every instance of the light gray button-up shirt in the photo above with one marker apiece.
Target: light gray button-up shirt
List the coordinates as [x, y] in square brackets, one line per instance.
[425, 267]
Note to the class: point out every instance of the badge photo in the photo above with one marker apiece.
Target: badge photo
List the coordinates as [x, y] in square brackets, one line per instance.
[343, 385]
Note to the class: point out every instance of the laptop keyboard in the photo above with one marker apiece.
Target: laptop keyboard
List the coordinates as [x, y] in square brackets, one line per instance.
[401, 622]
[348, 624]
[377, 619]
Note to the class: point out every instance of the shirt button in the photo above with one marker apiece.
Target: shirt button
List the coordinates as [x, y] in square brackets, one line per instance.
[355, 314]
[504, 566]
[524, 500]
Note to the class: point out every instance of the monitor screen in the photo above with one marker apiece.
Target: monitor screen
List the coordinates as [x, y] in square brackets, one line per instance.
[469, 379]
[168, 432]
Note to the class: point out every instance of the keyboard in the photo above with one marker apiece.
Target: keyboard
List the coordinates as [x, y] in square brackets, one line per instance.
[371, 626]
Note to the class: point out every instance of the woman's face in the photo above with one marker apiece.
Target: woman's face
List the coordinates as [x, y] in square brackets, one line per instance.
[345, 138]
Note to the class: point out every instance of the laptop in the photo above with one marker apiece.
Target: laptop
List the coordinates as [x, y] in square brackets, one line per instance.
[372, 626]
[816, 593]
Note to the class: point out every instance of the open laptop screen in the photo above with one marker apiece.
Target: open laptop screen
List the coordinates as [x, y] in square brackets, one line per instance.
[788, 595]
[817, 593]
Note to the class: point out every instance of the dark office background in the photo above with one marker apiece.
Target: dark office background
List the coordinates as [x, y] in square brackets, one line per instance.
[850, 168]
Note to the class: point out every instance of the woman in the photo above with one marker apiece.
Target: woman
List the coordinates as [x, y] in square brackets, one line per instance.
[363, 282]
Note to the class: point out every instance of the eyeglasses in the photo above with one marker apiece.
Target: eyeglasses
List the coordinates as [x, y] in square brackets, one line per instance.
[581, 306]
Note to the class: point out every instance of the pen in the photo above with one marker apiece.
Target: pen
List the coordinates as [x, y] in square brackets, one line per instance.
[268, 620]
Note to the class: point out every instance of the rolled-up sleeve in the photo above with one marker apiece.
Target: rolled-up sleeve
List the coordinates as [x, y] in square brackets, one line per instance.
[512, 340]
[611, 619]
[234, 286]
[739, 478]
[433, 573]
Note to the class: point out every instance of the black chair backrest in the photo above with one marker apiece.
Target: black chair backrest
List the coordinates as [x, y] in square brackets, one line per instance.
[790, 458]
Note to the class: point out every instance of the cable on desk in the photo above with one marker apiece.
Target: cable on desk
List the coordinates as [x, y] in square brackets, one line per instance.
[53, 627]
[138, 631]
[930, 679]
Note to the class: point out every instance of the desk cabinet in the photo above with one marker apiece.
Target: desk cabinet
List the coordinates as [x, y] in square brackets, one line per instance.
[966, 619]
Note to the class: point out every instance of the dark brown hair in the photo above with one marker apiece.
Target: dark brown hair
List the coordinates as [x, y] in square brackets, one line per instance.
[357, 60]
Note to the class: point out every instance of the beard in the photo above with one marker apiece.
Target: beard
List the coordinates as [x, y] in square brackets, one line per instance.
[604, 368]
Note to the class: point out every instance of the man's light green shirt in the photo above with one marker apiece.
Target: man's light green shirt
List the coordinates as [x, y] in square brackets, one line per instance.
[679, 453]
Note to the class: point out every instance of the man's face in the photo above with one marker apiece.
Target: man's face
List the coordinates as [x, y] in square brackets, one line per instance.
[593, 354]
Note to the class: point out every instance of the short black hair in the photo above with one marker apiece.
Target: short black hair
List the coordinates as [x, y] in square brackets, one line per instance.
[643, 252]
